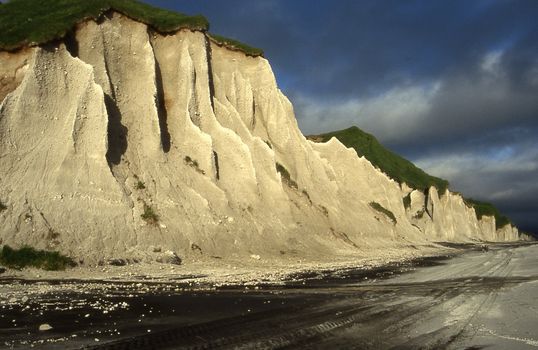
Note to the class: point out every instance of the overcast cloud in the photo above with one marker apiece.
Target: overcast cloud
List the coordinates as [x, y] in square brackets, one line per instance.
[451, 85]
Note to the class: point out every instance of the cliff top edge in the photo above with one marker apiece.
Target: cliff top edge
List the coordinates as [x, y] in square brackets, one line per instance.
[33, 22]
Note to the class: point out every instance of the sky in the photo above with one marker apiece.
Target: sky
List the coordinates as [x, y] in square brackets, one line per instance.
[450, 85]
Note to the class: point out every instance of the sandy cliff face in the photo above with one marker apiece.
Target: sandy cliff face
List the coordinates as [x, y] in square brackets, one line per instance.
[446, 217]
[13, 69]
[124, 121]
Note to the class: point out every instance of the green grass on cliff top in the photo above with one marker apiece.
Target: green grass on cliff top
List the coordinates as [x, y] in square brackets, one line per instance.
[24, 22]
[29, 22]
[236, 45]
[402, 170]
[396, 167]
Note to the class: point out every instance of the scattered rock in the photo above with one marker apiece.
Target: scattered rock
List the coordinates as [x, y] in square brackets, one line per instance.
[45, 327]
[196, 247]
[156, 249]
[117, 262]
[255, 257]
[2, 269]
[169, 257]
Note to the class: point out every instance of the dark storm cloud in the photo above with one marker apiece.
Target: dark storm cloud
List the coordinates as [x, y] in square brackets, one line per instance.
[450, 84]
[335, 52]
[346, 47]
[504, 173]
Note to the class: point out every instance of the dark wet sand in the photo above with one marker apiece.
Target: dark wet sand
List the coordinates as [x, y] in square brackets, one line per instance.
[311, 310]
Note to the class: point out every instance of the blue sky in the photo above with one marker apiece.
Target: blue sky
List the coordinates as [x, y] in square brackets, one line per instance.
[451, 85]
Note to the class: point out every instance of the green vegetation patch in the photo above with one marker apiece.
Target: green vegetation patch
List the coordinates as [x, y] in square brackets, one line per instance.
[193, 164]
[235, 45]
[487, 209]
[383, 210]
[149, 215]
[285, 175]
[24, 22]
[30, 22]
[396, 167]
[30, 257]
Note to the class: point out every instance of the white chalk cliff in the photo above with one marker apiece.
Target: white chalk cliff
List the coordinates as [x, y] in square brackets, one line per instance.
[122, 120]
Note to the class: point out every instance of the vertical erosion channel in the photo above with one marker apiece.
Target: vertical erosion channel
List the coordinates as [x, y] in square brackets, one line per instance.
[161, 109]
[160, 102]
[216, 161]
[117, 132]
[210, 71]
[71, 43]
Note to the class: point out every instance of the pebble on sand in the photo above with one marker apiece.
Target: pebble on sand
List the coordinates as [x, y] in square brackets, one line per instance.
[45, 327]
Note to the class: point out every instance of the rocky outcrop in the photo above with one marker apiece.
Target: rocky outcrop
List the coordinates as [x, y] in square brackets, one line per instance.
[127, 139]
[13, 69]
[526, 237]
[448, 217]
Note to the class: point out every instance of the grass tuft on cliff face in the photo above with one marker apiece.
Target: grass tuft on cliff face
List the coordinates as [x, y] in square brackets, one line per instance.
[383, 210]
[396, 167]
[149, 215]
[487, 209]
[285, 175]
[24, 22]
[30, 257]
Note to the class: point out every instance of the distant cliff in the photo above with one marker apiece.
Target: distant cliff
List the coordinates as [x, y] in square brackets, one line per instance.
[404, 172]
[120, 141]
